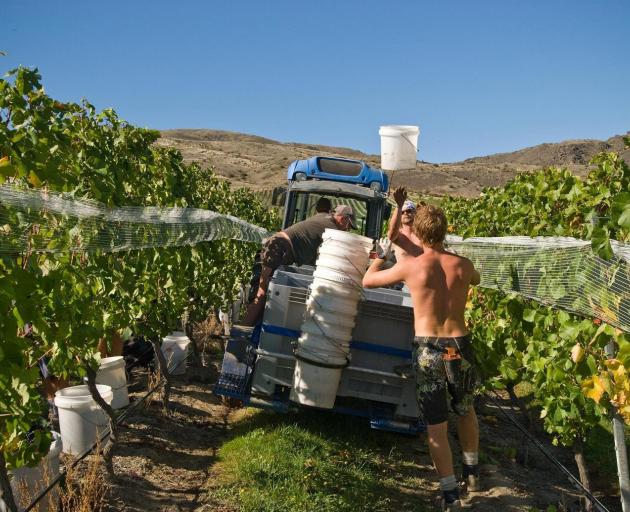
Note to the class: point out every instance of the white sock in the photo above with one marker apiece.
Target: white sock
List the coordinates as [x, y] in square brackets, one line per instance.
[470, 458]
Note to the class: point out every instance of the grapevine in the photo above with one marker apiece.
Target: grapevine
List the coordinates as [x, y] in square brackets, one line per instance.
[72, 300]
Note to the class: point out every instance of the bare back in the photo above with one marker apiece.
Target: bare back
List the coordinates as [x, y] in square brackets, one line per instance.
[439, 282]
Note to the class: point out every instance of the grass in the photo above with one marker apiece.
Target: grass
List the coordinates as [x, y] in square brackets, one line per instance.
[313, 462]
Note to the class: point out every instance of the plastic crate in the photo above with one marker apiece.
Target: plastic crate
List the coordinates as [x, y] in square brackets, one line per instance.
[380, 350]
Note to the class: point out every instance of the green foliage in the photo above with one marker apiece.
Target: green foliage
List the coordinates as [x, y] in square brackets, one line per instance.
[73, 300]
[521, 341]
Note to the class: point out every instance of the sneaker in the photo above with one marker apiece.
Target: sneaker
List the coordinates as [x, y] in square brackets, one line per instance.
[471, 483]
[451, 506]
[449, 500]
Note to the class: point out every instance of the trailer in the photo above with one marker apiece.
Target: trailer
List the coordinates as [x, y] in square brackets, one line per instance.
[378, 383]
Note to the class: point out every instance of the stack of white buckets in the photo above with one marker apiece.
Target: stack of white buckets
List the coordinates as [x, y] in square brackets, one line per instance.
[331, 309]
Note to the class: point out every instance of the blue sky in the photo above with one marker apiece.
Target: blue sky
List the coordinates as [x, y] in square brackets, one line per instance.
[478, 77]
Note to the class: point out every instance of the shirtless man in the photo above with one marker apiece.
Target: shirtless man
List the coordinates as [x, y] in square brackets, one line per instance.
[438, 282]
[400, 230]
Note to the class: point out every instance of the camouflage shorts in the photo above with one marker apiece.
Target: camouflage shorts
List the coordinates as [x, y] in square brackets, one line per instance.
[433, 388]
[276, 251]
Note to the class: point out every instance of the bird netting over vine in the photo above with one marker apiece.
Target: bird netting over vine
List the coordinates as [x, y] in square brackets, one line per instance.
[558, 271]
[40, 221]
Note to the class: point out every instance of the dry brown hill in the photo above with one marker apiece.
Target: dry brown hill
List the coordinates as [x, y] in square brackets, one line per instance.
[261, 163]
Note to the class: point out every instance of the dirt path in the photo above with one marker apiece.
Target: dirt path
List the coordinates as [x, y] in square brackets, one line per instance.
[164, 461]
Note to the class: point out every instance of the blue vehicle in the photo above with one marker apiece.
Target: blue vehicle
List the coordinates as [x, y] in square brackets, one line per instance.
[339, 170]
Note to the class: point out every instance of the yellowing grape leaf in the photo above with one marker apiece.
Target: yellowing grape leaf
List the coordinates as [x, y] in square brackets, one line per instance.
[34, 180]
[594, 388]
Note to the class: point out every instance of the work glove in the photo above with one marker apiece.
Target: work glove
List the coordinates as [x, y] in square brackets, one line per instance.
[383, 248]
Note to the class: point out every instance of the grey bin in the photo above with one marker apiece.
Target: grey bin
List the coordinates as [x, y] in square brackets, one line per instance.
[384, 321]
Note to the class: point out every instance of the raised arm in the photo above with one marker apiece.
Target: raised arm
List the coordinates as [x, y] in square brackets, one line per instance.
[400, 194]
[375, 277]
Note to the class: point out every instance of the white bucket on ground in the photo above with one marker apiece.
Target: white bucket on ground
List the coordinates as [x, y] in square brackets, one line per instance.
[80, 417]
[399, 147]
[329, 318]
[112, 373]
[175, 349]
[33, 480]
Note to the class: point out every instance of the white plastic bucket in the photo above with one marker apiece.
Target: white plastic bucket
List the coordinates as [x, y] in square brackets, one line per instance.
[80, 417]
[326, 316]
[175, 349]
[333, 304]
[349, 238]
[314, 385]
[336, 278]
[333, 332]
[328, 261]
[33, 480]
[319, 349]
[320, 287]
[112, 373]
[399, 147]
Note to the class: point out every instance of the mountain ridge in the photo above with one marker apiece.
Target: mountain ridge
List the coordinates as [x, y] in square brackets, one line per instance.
[259, 162]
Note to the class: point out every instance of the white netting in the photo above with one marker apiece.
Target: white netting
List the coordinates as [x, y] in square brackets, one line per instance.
[558, 271]
[42, 221]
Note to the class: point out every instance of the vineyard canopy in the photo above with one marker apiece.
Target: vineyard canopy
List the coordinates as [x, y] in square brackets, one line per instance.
[557, 271]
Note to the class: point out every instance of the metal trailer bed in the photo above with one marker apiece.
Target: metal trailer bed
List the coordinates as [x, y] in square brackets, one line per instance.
[378, 383]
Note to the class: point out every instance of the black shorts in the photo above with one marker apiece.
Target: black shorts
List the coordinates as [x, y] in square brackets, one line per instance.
[276, 251]
[433, 388]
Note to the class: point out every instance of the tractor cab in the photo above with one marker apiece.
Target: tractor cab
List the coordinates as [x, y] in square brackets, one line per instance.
[370, 206]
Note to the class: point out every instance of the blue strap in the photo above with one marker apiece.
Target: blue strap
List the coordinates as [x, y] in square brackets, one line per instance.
[357, 345]
[281, 331]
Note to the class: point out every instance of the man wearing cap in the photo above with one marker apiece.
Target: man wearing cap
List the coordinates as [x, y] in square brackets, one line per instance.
[296, 244]
[406, 243]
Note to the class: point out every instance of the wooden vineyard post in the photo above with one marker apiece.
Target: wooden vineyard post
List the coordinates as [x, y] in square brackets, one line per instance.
[163, 366]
